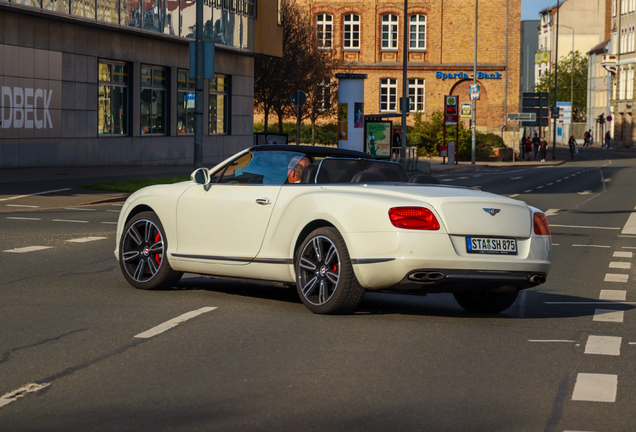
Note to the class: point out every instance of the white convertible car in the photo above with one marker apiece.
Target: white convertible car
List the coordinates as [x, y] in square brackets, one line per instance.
[334, 223]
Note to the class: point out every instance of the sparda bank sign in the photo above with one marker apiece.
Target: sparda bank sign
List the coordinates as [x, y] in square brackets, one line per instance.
[461, 75]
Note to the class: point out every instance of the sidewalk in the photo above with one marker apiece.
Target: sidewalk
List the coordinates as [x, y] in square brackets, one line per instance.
[438, 167]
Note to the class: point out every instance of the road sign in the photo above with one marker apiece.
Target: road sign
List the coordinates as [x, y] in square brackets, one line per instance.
[451, 115]
[609, 118]
[522, 117]
[299, 98]
[537, 103]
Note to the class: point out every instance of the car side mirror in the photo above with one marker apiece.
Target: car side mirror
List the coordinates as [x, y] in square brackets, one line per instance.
[200, 176]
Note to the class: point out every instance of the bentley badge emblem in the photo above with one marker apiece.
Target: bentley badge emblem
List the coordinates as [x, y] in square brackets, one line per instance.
[492, 211]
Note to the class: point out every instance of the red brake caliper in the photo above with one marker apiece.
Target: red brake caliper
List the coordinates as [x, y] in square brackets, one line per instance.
[158, 256]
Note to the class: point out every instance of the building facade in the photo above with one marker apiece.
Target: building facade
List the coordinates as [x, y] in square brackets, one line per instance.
[529, 46]
[599, 84]
[367, 36]
[621, 63]
[92, 82]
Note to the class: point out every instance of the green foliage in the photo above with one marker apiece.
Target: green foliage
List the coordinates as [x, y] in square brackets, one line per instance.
[426, 135]
[567, 85]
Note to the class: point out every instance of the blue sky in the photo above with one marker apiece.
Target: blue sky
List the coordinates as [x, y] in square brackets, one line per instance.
[530, 8]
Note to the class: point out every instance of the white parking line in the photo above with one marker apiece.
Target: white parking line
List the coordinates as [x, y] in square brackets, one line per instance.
[616, 295]
[28, 249]
[68, 220]
[603, 345]
[620, 265]
[34, 194]
[29, 388]
[595, 387]
[584, 227]
[85, 239]
[23, 218]
[608, 315]
[173, 323]
[619, 254]
[614, 277]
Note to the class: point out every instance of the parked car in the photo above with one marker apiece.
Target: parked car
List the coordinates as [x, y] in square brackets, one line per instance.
[335, 223]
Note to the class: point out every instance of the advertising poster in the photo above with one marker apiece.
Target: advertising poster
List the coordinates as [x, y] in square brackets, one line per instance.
[378, 139]
[359, 115]
[343, 108]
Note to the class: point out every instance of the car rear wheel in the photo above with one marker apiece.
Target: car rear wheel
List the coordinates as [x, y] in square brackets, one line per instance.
[325, 280]
[486, 302]
[142, 253]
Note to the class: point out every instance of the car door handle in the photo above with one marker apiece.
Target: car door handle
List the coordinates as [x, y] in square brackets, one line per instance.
[263, 201]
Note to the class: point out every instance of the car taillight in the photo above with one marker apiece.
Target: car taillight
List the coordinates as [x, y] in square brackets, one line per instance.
[413, 218]
[541, 226]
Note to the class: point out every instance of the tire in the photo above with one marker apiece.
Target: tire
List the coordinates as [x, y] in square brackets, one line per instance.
[142, 254]
[486, 302]
[325, 280]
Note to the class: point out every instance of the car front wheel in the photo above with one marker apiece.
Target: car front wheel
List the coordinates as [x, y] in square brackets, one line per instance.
[486, 302]
[142, 253]
[325, 280]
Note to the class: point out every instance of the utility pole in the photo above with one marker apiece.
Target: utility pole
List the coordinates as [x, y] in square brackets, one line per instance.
[474, 131]
[404, 102]
[198, 88]
[556, 72]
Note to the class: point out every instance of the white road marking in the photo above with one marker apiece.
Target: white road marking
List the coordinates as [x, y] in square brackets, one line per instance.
[596, 246]
[117, 205]
[23, 218]
[616, 295]
[607, 303]
[608, 315]
[595, 387]
[528, 191]
[615, 277]
[515, 178]
[631, 343]
[584, 227]
[556, 244]
[551, 340]
[539, 187]
[565, 178]
[109, 223]
[21, 205]
[34, 194]
[603, 345]
[68, 220]
[29, 388]
[552, 212]
[28, 249]
[630, 225]
[80, 209]
[447, 179]
[550, 184]
[620, 254]
[557, 181]
[85, 239]
[629, 247]
[173, 323]
[513, 196]
[585, 192]
[620, 265]
[607, 180]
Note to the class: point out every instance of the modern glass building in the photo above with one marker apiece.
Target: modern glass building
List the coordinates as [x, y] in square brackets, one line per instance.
[106, 82]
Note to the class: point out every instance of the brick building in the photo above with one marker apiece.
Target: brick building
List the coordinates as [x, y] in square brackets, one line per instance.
[367, 35]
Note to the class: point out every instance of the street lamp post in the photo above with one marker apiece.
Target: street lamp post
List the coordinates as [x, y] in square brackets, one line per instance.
[474, 107]
[556, 74]
[572, 74]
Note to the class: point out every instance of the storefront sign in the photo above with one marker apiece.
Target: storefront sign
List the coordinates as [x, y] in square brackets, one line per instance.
[26, 108]
[461, 75]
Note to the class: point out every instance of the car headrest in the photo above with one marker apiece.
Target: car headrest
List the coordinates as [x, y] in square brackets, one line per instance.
[423, 179]
[309, 174]
[367, 177]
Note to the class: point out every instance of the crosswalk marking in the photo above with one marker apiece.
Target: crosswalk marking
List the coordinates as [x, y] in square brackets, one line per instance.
[620, 265]
[614, 295]
[28, 249]
[608, 315]
[595, 387]
[621, 254]
[615, 277]
[603, 345]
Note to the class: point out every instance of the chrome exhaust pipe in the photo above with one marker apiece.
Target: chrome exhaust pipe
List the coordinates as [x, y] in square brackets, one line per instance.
[422, 276]
[536, 279]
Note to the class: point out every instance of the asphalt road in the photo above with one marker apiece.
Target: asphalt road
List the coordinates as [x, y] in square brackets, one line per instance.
[560, 359]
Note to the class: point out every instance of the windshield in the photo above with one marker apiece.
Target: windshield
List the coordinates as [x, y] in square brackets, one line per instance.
[262, 167]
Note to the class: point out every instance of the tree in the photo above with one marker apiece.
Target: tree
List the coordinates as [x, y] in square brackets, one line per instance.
[302, 67]
[564, 85]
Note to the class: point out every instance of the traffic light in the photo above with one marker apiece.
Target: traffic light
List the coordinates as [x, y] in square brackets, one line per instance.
[601, 118]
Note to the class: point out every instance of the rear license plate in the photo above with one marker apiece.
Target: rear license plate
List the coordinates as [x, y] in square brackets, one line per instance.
[483, 245]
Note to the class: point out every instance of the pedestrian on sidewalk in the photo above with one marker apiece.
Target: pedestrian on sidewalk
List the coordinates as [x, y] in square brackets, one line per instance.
[536, 142]
[586, 139]
[608, 141]
[544, 149]
[572, 145]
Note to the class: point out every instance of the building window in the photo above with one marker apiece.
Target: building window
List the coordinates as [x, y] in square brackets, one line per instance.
[219, 105]
[389, 31]
[388, 95]
[113, 99]
[324, 30]
[185, 103]
[416, 95]
[153, 100]
[351, 31]
[417, 32]
[324, 94]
